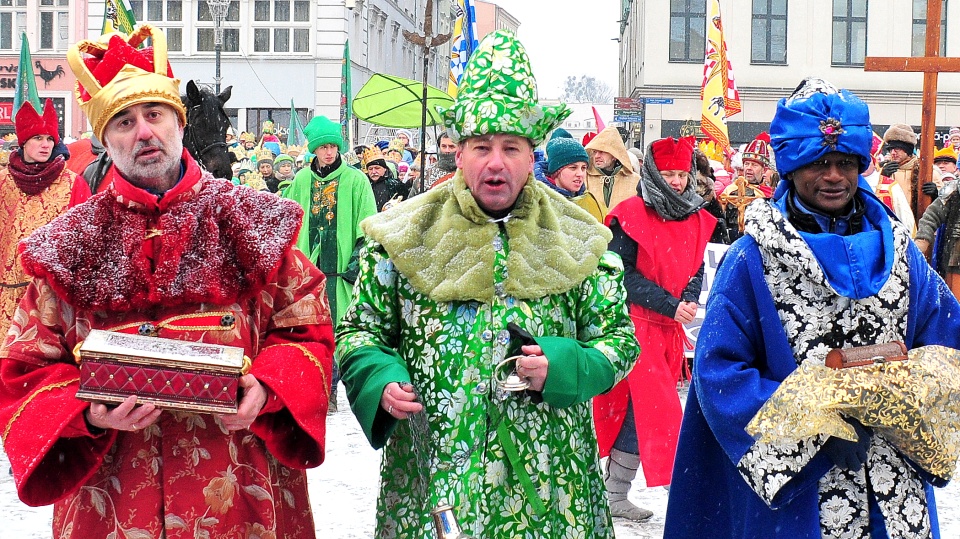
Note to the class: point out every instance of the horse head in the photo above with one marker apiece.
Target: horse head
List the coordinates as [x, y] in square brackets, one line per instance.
[205, 134]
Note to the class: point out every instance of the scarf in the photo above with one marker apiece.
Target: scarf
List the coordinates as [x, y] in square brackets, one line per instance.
[548, 181]
[324, 170]
[657, 194]
[443, 243]
[33, 178]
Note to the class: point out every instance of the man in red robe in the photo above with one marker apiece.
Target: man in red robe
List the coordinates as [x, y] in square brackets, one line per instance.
[661, 236]
[170, 251]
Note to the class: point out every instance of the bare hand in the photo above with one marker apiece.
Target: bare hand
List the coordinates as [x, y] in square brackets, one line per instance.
[686, 312]
[924, 247]
[254, 397]
[126, 416]
[533, 366]
[400, 401]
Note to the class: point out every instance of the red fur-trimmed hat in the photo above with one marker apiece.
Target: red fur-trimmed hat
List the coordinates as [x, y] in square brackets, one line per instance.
[758, 150]
[29, 124]
[116, 75]
[673, 154]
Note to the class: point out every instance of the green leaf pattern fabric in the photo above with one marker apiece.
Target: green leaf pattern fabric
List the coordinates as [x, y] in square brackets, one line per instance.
[498, 94]
[450, 350]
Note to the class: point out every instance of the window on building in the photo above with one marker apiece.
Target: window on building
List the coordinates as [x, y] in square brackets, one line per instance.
[849, 32]
[687, 30]
[13, 21]
[159, 13]
[54, 25]
[280, 118]
[281, 26]
[205, 29]
[919, 43]
[769, 32]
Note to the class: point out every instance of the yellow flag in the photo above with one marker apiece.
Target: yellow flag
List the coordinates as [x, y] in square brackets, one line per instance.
[719, 96]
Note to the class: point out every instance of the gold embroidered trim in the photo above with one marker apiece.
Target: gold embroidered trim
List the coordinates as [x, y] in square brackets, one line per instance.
[169, 323]
[23, 406]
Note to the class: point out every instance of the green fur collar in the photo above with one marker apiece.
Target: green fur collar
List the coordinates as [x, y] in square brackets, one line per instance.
[442, 242]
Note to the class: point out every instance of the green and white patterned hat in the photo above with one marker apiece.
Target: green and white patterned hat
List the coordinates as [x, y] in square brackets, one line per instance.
[498, 94]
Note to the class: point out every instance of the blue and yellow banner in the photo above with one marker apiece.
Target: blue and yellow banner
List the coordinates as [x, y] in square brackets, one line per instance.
[464, 42]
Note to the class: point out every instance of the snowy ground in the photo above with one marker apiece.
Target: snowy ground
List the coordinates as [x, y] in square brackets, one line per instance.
[344, 490]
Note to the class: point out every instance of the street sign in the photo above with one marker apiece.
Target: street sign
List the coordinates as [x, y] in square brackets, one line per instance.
[658, 100]
[627, 103]
[627, 117]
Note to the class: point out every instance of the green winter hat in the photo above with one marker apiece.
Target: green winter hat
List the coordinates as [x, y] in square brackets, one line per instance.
[562, 151]
[282, 158]
[321, 130]
[498, 94]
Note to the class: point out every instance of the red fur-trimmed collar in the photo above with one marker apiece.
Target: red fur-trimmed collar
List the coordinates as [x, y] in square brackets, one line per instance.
[213, 242]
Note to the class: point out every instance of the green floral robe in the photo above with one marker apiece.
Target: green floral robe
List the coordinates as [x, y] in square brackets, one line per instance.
[448, 349]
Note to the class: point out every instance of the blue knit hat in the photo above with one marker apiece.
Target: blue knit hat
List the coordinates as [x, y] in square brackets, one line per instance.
[818, 119]
[562, 152]
[560, 133]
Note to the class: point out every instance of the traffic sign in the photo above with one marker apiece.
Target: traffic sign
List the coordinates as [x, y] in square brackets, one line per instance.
[658, 100]
[627, 117]
[627, 103]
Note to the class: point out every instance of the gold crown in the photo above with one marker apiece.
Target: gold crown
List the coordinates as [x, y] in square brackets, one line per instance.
[265, 153]
[945, 153]
[294, 150]
[131, 86]
[4, 157]
[370, 154]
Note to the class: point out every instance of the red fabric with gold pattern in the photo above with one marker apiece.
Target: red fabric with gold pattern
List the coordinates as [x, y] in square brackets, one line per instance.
[241, 233]
[24, 214]
[186, 475]
[171, 477]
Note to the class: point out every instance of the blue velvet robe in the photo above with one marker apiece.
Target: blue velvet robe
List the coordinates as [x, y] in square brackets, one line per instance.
[742, 356]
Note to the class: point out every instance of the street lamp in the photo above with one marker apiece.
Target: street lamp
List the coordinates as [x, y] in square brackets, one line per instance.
[218, 9]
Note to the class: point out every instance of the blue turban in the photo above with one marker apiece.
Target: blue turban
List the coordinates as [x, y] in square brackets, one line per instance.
[816, 120]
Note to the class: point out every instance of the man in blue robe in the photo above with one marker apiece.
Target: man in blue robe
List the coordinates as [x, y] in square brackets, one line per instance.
[822, 265]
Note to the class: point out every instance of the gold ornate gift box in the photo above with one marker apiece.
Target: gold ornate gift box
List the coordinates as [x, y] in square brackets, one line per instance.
[171, 374]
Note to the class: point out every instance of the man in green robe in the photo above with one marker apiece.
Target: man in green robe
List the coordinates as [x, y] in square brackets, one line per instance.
[488, 265]
[335, 197]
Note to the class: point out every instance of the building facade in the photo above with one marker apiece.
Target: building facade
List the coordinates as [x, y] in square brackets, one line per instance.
[51, 26]
[773, 45]
[275, 51]
[491, 17]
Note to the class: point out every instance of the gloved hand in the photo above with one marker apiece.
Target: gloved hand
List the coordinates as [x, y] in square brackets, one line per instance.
[846, 454]
[930, 189]
[888, 168]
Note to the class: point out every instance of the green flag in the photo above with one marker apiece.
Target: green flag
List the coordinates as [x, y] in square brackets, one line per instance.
[295, 135]
[346, 94]
[117, 17]
[26, 89]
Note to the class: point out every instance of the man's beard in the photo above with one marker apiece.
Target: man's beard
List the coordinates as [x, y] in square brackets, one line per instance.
[447, 161]
[151, 175]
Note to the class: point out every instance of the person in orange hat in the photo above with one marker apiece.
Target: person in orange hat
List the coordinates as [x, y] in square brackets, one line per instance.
[168, 251]
[35, 187]
[661, 235]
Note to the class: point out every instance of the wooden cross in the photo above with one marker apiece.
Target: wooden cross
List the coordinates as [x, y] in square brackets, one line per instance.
[930, 64]
[740, 199]
[426, 41]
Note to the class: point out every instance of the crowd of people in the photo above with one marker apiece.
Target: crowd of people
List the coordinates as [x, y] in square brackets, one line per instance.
[501, 321]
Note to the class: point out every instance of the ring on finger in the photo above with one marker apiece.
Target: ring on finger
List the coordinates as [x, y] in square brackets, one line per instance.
[135, 427]
[390, 409]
